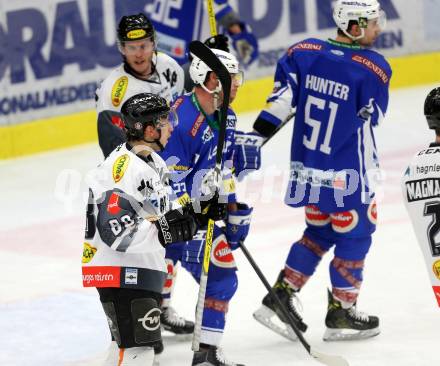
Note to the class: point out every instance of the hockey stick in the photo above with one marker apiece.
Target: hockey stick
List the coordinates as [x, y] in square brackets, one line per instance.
[282, 124]
[211, 15]
[206, 55]
[325, 359]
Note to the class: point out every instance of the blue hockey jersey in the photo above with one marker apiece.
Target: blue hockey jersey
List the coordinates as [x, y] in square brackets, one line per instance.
[192, 147]
[177, 23]
[340, 93]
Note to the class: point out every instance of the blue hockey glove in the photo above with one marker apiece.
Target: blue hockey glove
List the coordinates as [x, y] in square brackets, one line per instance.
[237, 225]
[247, 153]
[245, 44]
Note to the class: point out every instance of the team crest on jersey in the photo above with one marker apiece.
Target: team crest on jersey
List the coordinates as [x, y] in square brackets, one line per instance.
[372, 212]
[207, 135]
[119, 167]
[436, 269]
[88, 253]
[343, 222]
[118, 90]
[221, 254]
[316, 217]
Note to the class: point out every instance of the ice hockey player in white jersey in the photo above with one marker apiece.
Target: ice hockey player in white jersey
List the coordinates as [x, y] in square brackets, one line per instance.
[130, 221]
[421, 194]
[143, 70]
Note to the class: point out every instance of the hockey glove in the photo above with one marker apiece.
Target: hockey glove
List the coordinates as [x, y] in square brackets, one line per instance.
[237, 225]
[245, 44]
[211, 209]
[247, 153]
[176, 226]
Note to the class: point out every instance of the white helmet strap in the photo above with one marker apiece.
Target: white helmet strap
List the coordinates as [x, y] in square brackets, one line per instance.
[217, 89]
[354, 38]
[215, 92]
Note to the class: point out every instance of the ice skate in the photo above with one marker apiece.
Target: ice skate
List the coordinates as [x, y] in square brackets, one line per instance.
[172, 322]
[271, 317]
[211, 356]
[348, 324]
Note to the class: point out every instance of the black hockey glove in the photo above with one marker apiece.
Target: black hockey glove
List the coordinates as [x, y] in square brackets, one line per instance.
[176, 226]
[211, 209]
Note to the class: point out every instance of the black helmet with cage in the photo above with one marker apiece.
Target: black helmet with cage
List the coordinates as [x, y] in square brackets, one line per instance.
[146, 109]
[432, 109]
[134, 28]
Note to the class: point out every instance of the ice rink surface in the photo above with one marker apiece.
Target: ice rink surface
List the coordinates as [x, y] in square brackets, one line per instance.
[47, 318]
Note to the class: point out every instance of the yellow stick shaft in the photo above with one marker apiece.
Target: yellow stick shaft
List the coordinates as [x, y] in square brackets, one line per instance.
[212, 23]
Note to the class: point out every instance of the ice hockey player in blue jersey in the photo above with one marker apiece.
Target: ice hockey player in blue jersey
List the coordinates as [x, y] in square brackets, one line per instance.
[340, 91]
[179, 22]
[190, 154]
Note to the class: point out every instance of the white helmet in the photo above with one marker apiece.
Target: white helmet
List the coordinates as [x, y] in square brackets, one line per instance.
[198, 69]
[360, 11]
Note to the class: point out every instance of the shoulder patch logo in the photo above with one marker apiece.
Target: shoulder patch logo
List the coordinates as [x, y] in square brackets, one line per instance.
[372, 66]
[118, 90]
[119, 167]
[307, 46]
[197, 123]
[177, 103]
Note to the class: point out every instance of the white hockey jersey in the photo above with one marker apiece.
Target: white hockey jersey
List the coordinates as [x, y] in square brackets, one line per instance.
[421, 192]
[121, 248]
[167, 81]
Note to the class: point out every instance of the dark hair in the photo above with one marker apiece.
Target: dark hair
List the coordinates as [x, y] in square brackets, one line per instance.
[431, 109]
[351, 23]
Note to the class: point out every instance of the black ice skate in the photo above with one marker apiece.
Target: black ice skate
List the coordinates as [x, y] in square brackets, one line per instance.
[211, 356]
[271, 317]
[174, 323]
[348, 324]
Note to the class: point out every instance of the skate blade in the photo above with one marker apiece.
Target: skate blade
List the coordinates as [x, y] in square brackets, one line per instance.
[349, 334]
[270, 319]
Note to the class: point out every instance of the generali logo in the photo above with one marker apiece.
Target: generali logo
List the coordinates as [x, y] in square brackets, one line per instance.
[119, 167]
